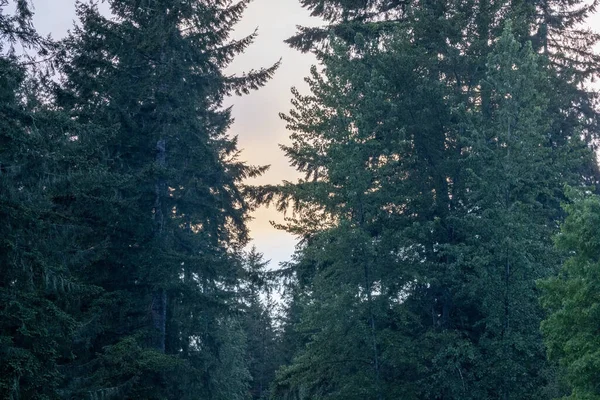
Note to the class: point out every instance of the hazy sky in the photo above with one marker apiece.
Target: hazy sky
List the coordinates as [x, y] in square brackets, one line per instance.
[256, 116]
[257, 122]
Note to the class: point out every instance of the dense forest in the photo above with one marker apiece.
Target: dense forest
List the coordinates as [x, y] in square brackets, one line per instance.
[448, 214]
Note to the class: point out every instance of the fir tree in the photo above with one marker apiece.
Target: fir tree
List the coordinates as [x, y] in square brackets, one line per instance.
[256, 295]
[39, 253]
[166, 198]
[415, 188]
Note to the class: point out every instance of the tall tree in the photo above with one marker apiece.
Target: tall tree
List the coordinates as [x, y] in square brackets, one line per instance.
[426, 214]
[168, 204]
[366, 193]
[37, 256]
[461, 34]
[513, 176]
[258, 305]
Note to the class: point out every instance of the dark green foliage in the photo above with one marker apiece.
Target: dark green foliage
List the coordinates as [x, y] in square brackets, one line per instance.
[256, 294]
[123, 211]
[16, 29]
[37, 283]
[160, 184]
[435, 145]
[434, 150]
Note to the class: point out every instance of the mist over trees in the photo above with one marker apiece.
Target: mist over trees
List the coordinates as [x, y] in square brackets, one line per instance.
[447, 217]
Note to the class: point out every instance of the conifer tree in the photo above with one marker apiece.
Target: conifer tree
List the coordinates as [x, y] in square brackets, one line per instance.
[256, 291]
[461, 34]
[513, 176]
[39, 253]
[416, 185]
[359, 210]
[167, 200]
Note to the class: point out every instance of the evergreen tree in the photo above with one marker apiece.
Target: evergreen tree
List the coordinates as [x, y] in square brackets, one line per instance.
[359, 211]
[38, 257]
[425, 212]
[513, 177]
[571, 298]
[461, 34]
[160, 183]
[256, 291]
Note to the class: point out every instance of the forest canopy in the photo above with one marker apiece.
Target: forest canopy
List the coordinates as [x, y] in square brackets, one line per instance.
[447, 216]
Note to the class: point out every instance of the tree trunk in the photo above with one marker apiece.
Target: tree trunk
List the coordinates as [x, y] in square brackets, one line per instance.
[159, 297]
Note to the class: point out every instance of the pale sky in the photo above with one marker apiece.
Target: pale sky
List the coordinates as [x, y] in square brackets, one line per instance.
[257, 122]
[256, 116]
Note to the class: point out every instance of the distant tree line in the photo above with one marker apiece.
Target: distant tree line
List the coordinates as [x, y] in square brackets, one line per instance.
[448, 221]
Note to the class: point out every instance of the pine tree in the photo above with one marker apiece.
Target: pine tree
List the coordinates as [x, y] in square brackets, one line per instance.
[39, 253]
[426, 214]
[161, 187]
[256, 295]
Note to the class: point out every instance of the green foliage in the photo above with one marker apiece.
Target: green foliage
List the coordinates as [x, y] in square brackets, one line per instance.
[432, 187]
[124, 213]
[435, 145]
[571, 298]
[37, 283]
[262, 351]
[160, 186]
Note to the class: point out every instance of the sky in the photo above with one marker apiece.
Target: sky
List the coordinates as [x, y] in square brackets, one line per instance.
[257, 124]
[256, 116]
